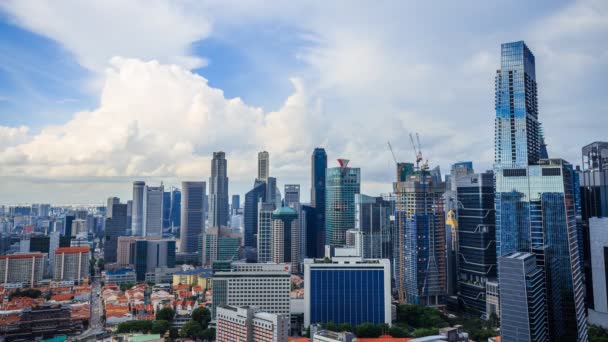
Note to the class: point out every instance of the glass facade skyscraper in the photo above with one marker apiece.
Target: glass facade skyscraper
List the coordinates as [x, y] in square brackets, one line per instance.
[476, 242]
[373, 219]
[218, 191]
[253, 199]
[536, 199]
[420, 258]
[342, 183]
[316, 224]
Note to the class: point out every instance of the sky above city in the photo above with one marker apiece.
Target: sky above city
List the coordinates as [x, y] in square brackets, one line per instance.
[96, 94]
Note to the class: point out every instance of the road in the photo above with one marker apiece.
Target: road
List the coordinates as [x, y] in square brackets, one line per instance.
[95, 323]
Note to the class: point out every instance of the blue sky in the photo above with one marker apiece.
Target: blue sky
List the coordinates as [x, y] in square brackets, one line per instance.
[344, 75]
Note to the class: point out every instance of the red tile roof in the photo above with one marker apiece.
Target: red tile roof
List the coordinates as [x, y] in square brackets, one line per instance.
[73, 250]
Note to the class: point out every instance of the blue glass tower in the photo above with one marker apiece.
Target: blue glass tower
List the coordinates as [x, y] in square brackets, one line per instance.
[535, 199]
[316, 232]
[341, 185]
[250, 217]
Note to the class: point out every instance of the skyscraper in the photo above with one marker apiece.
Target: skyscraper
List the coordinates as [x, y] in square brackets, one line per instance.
[166, 209]
[372, 219]
[153, 210]
[517, 128]
[253, 199]
[220, 244]
[341, 185]
[152, 253]
[292, 194]
[236, 203]
[192, 215]
[137, 213]
[598, 230]
[263, 166]
[264, 232]
[536, 199]
[420, 258]
[116, 225]
[318, 162]
[476, 262]
[111, 201]
[283, 219]
[176, 207]
[594, 201]
[218, 191]
[522, 317]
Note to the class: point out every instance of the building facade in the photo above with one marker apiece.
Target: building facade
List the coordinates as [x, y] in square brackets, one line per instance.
[153, 210]
[218, 191]
[283, 221]
[264, 286]
[598, 229]
[192, 215]
[373, 220]
[247, 324]
[116, 225]
[342, 183]
[220, 244]
[476, 242]
[137, 209]
[264, 232]
[263, 166]
[253, 198]
[24, 268]
[536, 199]
[347, 290]
[72, 264]
[522, 299]
[316, 231]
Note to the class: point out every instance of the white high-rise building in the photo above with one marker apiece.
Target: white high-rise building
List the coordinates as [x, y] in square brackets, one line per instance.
[264, 286]
[137, 209]
[598, 237]
[153, 210]
[265, 211]
[249, 324]
[263, 166]
[72, 263]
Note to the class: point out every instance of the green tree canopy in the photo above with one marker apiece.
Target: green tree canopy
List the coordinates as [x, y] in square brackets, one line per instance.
[165, 314]
[368, 330]
[422, 332]
[32, 293]
[160, 327]
[202, 315]
[398, 331]
[134, 327]
[192, 329]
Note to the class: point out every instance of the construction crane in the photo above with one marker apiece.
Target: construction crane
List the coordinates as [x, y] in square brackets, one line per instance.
[418, 153]
[399, 224]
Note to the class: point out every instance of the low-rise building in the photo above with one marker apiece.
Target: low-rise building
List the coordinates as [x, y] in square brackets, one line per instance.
[247, 324]
[22, 268]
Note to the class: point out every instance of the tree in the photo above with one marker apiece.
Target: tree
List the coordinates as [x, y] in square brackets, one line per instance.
[345, 327]
[165, 314]
[208, 334]
[422, 332]
[31, 293]
[192, 329]
[202, 315]
[331, 326]
[368, 330]
[134, 326]
[160, 327]
[398, 331]
[124, 287]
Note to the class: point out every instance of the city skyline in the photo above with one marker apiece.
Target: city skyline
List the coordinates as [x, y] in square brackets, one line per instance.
[55, 104]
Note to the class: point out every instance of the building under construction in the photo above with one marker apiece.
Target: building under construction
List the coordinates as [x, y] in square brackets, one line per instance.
[420, 255]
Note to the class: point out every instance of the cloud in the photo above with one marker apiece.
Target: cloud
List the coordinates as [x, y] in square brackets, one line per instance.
[159, 120]
[95, 31]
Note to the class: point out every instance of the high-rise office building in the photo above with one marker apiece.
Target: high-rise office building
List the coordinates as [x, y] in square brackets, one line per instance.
[24, 268]
[220, 244]
[283, 222]
[264, 286]
[264, 232]
[116, 225]
[235, 204]
[347, 290]
[272, 193]
[373, 220]
[137, 213]
[192, 215]
[522, 299]
[263, 166]
[67, 225]
[166, 209]
[316, 231]
[72, 264]
[536, 199]
[598, 232]
[176, 208]
[593, 178]
[247, 324]
[150, 254]
[253, 198]
[342, 183]
[420, 255]
[129, 216]
[292, 194]
[153, 210]
[111, 201]
[218, 191]
[476, 237]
